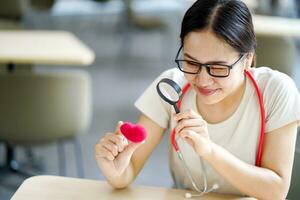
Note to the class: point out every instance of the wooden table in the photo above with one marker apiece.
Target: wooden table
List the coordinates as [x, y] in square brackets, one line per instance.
[43, 47]
[56, 188]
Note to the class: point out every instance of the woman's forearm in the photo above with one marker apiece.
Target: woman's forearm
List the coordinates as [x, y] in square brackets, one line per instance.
[254, 181]
[125, 179]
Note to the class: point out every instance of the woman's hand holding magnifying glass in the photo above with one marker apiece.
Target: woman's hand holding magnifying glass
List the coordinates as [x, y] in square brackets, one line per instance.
[192, 128]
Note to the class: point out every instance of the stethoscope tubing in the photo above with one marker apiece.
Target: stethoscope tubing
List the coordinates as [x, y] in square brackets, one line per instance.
[263, 118]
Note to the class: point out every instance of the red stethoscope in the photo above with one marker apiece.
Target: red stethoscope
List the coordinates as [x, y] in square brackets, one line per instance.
[169, 91]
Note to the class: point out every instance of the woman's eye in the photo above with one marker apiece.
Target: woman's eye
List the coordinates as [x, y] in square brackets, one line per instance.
[218, 68]
[190, 63]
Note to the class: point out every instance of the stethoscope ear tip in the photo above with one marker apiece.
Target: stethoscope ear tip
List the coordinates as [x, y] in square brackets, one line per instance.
[215, 186]
[188, 195]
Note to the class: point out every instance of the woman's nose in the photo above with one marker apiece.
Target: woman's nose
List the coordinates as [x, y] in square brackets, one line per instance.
[203, 78]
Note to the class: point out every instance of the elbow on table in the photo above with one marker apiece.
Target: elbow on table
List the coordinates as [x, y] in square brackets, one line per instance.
[282, 194]
[272, 194]
[118, 185]
[277, 193]
[276, 196]
[283, 188]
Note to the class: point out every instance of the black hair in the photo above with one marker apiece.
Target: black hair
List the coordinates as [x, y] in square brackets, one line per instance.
[229, 20]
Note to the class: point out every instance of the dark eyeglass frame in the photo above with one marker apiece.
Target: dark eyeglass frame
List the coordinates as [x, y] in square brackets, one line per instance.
[206, 65]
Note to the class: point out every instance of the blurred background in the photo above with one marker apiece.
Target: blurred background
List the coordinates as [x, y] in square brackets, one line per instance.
[54, 110]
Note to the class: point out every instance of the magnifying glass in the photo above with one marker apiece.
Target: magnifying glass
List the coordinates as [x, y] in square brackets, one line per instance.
[169, 91]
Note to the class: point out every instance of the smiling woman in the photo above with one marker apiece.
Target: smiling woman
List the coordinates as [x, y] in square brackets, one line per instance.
[220, 121]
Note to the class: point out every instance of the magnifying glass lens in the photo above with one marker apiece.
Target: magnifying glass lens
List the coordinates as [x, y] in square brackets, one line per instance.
[169, 92]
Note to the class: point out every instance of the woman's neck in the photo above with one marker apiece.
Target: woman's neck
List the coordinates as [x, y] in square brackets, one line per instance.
[221, 111]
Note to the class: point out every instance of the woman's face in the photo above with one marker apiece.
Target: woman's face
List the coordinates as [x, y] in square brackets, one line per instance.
[205, 47]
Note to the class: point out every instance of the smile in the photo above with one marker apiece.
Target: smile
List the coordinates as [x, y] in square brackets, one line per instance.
[207, 92]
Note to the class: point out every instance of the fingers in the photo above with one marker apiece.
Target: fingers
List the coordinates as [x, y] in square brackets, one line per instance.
[117, 130]
[187, 133]
[188, 119]
[192, 128]
[119, 140]
[110, 146]
[133, 146]
[199, 141]
[194, 124]
[103, 152]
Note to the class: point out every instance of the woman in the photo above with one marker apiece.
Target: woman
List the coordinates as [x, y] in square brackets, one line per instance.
[220, 116]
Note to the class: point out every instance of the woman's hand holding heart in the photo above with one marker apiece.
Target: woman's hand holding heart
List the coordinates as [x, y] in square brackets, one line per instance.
[114, 151]
[133, 132]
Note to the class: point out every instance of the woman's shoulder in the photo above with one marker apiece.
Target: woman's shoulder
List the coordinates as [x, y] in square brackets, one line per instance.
[278, 89]
[269, 79]
[280, 95]
[174, 74]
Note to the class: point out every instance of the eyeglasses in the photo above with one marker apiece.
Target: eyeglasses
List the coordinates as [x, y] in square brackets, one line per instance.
[213, 69]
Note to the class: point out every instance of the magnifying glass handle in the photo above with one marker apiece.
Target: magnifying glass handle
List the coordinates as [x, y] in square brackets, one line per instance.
[176, 108]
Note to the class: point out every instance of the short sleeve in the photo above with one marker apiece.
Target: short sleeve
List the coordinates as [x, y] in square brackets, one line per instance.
[151, 105]
[283, 105]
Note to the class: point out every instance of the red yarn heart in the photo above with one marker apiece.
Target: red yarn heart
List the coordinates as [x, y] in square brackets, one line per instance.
[134, 132]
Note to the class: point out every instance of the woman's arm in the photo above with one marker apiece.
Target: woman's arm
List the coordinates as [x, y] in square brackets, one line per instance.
[155, 135]
[119, 161]
[272, 179]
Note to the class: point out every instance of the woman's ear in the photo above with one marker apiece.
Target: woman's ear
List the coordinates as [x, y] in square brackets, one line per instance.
[249, 60]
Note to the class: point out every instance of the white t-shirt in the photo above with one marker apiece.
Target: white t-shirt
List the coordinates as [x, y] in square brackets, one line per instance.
[239, 134]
